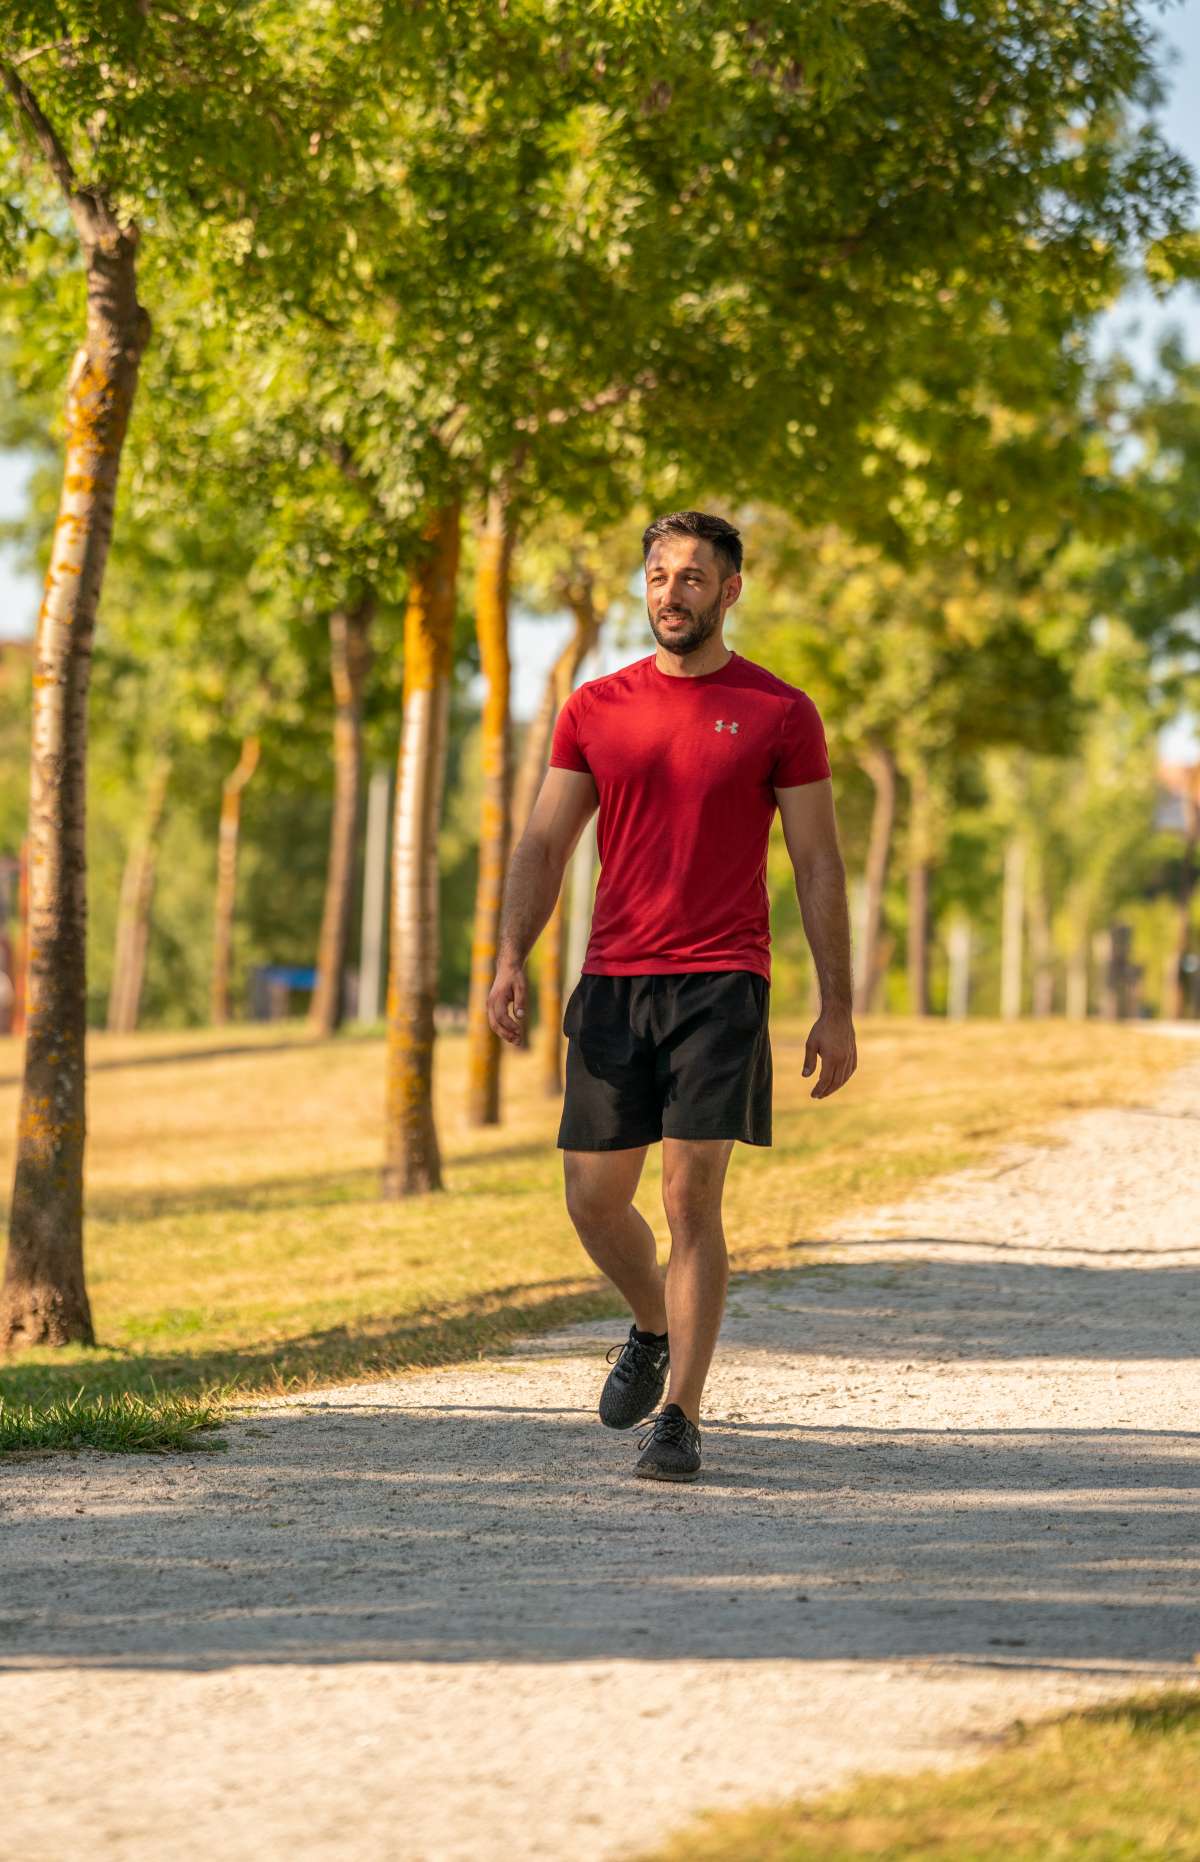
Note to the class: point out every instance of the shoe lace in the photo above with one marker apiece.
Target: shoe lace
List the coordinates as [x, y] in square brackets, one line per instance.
[630, 1356]
[664, 1428]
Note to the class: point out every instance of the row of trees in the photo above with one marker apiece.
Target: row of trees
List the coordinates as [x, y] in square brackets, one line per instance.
[512, 271]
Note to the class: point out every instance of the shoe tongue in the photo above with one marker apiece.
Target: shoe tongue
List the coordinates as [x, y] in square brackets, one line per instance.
[671, 1409]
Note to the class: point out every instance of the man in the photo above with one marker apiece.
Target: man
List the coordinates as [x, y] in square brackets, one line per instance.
[687, 753]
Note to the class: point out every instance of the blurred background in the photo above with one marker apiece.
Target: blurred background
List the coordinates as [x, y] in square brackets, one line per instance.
[971, 540]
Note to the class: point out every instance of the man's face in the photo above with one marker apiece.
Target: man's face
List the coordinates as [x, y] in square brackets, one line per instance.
[686, 596]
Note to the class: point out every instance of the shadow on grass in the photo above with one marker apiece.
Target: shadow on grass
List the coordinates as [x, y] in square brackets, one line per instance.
[321, 1190]
[373, 1348]
[176, 1057]
[936, 1310]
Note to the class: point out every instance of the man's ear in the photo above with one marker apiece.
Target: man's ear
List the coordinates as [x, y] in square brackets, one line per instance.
[733, 588]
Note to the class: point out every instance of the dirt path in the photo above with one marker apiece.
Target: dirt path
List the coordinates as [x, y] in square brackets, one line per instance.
[952, 1478]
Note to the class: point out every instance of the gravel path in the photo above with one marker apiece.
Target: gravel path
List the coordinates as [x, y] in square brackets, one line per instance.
[952, 1478]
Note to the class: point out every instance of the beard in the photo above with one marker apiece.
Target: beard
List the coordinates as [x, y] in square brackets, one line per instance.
[696, 630]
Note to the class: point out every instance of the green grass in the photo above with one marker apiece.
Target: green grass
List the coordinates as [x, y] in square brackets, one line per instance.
[237, 1243]
[1114, 1784]
[122, 1423]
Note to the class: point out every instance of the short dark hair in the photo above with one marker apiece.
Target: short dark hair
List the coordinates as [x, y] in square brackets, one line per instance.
[725, 539]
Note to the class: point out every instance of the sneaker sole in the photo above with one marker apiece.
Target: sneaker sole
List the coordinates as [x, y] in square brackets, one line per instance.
[633, 1420]
[658, 1474]
[641, 1416]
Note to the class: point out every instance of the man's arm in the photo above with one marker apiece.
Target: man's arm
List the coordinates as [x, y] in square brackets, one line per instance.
[565, 802]
[810, 830]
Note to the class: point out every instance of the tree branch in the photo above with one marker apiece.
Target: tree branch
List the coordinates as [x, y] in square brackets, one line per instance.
[92, 215]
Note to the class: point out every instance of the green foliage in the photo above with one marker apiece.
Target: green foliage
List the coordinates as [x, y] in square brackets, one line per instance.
[117, 1423]
[834, 259]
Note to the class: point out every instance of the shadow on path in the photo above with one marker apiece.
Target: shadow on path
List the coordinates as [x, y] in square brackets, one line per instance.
[483, 1532]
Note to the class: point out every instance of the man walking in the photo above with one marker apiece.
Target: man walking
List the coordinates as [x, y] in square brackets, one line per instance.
[687, 753]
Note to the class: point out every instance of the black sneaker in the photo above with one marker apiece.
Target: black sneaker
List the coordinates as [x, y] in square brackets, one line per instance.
[635, 1384]
[673, 1453]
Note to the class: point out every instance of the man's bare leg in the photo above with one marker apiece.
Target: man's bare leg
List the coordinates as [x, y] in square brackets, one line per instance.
[600, 1187]
[698, 1272]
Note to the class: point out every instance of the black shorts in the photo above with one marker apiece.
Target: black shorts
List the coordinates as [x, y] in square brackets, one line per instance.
[685, 1055]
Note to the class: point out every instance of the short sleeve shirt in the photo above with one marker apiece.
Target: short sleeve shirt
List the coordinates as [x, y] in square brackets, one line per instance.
[686, 769]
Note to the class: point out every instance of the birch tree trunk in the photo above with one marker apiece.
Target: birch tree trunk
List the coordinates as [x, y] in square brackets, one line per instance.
[228, 838]
[133, 912]
[1041, 946]
[535, 751]
[1180, 1000]
[880, 766]
[1012, 929]
[412, 1160]
[958, 1001]
[495, 546]
[44, 1297]
[918, 894]
[349, 664]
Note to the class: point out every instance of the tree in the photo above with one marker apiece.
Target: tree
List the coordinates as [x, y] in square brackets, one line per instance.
[350, 660]
[131, 119]
[413, 1157]
[1152, 578]
[915, 669]
[133, 912]
[228, 838]
[44, 1299]
[494, 549]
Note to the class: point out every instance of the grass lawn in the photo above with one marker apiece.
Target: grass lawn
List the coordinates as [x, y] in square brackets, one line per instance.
[236, 1241]
[1114, 1784]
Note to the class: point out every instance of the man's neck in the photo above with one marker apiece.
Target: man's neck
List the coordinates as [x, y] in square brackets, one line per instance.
[707, 658]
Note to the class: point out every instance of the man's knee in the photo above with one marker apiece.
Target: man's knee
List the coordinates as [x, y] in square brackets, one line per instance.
[693, 1208]
[594, 1199]
[693, 1184]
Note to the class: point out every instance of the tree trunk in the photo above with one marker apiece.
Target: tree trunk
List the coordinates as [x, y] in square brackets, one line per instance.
[579, 596]
[1041, 947]
[1012, 929]
[958, 998]
[1182, 996]
[133, 912]
[880, 766]
[374, 904]
[560, 682]
[44, 1299]
[918, 894]
[349, 664]
[491, 625]
[1077, 980]
[228, 835]
[412, 1159]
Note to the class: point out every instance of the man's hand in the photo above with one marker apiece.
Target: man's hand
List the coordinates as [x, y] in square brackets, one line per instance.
[832, 1040]
[506, 1000]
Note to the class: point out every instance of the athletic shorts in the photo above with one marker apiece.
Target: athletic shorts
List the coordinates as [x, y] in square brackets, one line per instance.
[685, 1055]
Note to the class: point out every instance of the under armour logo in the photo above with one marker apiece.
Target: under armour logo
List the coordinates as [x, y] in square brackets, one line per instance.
[723, 726]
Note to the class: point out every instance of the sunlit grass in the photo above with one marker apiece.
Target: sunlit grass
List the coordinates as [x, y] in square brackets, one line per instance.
[1115, 1784]
[236, 1238]
[122, 1423]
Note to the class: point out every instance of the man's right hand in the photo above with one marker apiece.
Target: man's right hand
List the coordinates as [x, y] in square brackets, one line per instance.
[506, 1001]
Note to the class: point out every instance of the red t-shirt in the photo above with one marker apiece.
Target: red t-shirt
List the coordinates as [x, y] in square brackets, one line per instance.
[687, 770]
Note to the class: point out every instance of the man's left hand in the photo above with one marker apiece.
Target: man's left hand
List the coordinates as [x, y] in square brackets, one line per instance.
[832, 1042]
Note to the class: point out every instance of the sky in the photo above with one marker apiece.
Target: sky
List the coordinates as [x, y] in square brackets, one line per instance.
[1136, 322]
